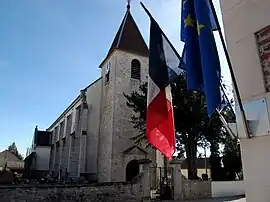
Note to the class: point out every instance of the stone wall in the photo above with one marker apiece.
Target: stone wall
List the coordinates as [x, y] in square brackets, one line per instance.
[193, 190]
[98, 192]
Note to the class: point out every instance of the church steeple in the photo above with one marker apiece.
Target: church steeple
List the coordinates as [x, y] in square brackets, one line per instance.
[128, 5]
[128, 37]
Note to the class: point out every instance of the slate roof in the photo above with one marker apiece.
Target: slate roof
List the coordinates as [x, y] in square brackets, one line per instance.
[7, 156]
[128, 38]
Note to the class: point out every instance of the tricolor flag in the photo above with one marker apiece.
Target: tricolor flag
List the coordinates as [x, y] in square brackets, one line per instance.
[164, 67]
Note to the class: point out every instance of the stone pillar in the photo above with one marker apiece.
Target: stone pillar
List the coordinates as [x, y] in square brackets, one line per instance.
[177, 180]
[145, 169]
[83, 134]
[83, 139]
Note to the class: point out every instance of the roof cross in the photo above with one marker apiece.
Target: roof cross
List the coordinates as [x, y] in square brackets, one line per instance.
[128, 4]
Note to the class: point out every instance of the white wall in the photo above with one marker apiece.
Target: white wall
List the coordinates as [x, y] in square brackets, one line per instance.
[227, 188]
[43, 158]
[242, 19]
[93, 97]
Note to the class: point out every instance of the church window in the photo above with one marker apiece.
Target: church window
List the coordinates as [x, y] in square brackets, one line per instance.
[78, 114]
[73, 144]
[108, 72]
[69, 124]
[135, 69]
[107, 77]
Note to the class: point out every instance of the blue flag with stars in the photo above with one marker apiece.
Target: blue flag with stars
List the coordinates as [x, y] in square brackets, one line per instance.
[201, 56]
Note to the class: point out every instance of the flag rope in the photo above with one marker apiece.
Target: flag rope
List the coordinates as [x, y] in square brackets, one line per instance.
[237, 93]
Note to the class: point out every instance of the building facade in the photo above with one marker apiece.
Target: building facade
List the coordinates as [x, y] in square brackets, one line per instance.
[247, 32]
[92, 137]
[36, 163]
[9, 160]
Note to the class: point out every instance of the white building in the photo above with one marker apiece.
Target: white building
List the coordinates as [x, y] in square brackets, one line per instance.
[91, 138]
[247, 30]
[38, 155]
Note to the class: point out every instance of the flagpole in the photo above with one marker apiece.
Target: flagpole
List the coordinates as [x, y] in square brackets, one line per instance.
[237, 93]
[226, 97]
[165, 161]
[151, 17]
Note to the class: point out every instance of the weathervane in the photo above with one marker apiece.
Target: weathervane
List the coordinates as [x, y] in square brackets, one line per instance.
[128, 4]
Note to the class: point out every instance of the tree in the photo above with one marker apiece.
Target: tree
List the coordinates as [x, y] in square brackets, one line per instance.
[13, 149]
[232, 159]
[137, 101]
[190, 116]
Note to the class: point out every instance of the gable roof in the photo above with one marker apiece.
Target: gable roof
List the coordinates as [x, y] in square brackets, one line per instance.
[41, 138]
[8, 156]
[128, 150]
[128, 38]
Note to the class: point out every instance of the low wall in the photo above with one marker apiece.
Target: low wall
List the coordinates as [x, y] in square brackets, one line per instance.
[106, 192]
[193, 190]
[227, 188]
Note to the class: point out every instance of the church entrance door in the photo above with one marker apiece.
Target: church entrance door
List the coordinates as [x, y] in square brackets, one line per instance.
[132, 170]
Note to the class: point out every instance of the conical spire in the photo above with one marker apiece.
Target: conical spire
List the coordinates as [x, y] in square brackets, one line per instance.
[128, 37]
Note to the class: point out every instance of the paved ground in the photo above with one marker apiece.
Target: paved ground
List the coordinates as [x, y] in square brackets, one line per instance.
[231, 199]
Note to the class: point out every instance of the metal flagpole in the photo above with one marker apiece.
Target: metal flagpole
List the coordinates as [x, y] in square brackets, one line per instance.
[165, 161]
[237, 93]
[153, 20]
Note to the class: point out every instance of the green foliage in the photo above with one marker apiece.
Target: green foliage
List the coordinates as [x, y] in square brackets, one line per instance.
[137, 101]
[13, 149]
[193, 126]
[232, 159]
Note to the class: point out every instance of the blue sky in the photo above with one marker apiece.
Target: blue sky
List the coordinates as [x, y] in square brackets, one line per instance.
[49, 50]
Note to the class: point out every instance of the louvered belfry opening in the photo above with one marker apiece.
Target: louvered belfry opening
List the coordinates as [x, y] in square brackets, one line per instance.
[135, 69]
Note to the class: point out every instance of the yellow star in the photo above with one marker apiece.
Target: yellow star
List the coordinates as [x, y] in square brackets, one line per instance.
[199, 27]
[189, 21]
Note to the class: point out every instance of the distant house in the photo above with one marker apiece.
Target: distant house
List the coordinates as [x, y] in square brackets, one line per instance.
[13, 162]
[203, 165]
[38, 155]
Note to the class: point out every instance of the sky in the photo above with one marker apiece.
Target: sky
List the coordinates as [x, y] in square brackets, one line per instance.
[49, 50]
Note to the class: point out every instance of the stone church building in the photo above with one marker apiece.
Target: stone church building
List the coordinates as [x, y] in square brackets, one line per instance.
[91, 138]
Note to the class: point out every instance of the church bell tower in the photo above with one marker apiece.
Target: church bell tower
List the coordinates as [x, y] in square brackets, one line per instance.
[123, 70]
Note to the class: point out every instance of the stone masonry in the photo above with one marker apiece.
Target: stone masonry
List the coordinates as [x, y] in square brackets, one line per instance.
[99, 144]
[105, 136]
[116, 127]
[120, 192]
[83, 134]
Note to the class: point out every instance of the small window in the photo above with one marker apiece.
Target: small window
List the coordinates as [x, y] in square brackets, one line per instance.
[108, 77]
[136, 69]
[107, 72]
[69, 124]
[73, 144]
[78, 114]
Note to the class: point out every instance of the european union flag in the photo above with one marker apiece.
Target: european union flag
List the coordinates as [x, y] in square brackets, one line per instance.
[192, 49]
[202, 61]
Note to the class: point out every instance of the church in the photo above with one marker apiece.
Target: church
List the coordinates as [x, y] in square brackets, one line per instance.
[92, 137]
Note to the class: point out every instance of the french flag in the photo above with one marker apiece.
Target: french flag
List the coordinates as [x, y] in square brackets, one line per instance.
[164, 67]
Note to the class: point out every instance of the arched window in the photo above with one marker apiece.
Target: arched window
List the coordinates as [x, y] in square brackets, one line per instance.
[135, 69]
